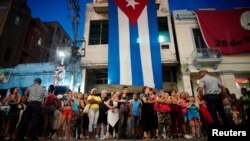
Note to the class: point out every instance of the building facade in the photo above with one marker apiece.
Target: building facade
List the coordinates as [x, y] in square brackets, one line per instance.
[14, 23]
[35, 49]
[232, 70]
[95, 61]
[58, 41]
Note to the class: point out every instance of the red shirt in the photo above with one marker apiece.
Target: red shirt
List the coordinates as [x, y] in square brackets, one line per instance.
[50, 99]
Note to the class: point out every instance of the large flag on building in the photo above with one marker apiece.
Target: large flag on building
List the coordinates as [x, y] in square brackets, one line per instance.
[134, 51]
[228, 30]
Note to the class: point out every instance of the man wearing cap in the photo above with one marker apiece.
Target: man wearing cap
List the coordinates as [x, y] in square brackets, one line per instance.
[210, 88]
[36, 94]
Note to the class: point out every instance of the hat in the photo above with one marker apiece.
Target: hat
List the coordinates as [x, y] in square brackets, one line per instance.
[59, 96]
[38, 80]
[93, 91]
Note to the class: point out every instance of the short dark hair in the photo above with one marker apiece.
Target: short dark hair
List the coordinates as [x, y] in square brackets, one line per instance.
[38, 80]
[201, 71]
[124, 87]
[12, 89]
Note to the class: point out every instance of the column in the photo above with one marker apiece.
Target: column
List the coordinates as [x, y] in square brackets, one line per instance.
[228, 80]
[83, 83]
[187, 82]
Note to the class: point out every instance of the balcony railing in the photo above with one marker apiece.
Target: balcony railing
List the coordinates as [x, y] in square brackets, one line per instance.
[101, 6]
[207, 57]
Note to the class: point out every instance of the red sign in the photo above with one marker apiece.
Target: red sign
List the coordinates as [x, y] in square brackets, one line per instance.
[132, 8]
[228, 30]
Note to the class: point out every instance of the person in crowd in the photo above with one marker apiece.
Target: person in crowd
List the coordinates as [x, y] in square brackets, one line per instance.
[113, 115]
[154, 131]
[84, 116]
[123, 112]
[147, 113]
[93, 114]
[183, 98]
[102, 120]
[245, 101]
[212, 88]
[164, 110]
[135, 110]
[236, 116]
[68, 103]
[48, 112]
[226, 101]
[21, 109]
[206, 118]
[57, 115]
[13, 99]
[176, 115]
[36, 94]
[194, 117]
[76, 120]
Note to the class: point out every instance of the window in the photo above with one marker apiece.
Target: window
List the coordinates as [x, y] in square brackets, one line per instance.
[163, 29]
[39, 42]
[17, 20]
[98, 32]
[164, 46]
[199, 41]
[169, 74]
[8, 54]
[101, 76]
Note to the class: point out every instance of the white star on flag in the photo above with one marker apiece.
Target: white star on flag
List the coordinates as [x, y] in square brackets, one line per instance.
[132, 3]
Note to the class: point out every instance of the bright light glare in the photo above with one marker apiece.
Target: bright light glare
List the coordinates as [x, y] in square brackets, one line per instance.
[61, 53]
[138, 40]
[161, 39]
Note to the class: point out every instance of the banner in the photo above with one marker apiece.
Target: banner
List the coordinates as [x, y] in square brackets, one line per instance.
[228, 30]
[59, 75]
[134, 51]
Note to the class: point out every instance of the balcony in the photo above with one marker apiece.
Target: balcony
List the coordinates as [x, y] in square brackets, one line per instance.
[207, 57]
[100, 6]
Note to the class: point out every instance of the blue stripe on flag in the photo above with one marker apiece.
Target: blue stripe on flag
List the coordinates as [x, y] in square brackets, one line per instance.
[154, 44]
[137, 78]
[113, 50]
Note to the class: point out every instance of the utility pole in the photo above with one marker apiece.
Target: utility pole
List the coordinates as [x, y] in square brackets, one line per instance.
[74, 15]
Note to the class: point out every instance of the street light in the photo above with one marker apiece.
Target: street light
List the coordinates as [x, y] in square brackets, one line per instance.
[62, 55]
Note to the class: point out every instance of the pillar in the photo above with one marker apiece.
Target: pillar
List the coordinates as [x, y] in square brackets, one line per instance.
[83, 82]
[228, 80]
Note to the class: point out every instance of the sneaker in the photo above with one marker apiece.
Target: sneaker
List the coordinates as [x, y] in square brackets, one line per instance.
[187, 136]
[6, 138]
[96, 137]
[163, 136]
[53, 136]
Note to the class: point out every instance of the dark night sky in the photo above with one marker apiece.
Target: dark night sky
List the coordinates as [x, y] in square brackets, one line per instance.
[56, 10]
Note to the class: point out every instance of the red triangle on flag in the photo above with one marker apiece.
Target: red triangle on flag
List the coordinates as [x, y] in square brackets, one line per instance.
[132, 8]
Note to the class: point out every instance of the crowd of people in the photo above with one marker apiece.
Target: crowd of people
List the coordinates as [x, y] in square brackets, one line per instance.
[40, 114]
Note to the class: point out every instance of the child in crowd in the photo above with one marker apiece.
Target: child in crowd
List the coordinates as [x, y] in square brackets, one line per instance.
[236, 116]
[194, 117]
[135, 110]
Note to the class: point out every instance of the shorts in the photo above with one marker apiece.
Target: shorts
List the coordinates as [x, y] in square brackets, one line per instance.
[135, 120]
[103, 118]
[196, 120]
[67, 112]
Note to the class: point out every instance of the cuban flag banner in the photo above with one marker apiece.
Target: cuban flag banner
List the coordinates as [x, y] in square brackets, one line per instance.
[134, 51]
